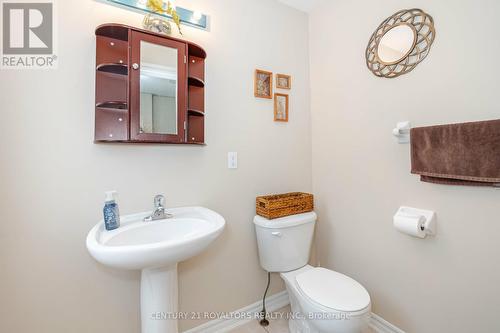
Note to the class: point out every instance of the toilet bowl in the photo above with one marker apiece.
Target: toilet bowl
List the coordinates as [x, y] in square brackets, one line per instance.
[321, 300]
[326, 301]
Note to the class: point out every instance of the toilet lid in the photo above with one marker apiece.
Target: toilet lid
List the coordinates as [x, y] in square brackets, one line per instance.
[333, 290]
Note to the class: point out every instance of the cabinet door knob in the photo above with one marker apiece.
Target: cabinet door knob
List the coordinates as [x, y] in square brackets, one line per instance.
[135, 65]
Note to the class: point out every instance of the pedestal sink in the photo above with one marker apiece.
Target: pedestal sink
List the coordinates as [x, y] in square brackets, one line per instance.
[155, 248]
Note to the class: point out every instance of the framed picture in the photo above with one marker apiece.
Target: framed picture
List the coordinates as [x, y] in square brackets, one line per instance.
[283, 81]
[263, 86]
[280, 107]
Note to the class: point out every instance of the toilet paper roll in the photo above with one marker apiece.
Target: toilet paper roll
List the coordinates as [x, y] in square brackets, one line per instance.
[410, 224]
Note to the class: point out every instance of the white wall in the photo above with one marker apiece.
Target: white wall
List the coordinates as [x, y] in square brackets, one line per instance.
[53, 176]
[361, 175]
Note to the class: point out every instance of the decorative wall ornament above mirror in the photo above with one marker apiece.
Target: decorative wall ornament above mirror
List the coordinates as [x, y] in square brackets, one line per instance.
[400, 43]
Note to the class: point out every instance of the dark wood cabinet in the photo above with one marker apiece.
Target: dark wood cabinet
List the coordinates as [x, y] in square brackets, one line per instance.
[111, 50]
[149, 87]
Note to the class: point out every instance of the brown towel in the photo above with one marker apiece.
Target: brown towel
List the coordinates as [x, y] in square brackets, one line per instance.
[457, 154]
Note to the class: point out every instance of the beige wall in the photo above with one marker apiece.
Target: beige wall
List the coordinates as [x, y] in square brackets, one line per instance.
[449, 283]
[53, 176]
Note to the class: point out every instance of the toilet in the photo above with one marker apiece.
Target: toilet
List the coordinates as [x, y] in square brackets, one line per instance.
[322, 300]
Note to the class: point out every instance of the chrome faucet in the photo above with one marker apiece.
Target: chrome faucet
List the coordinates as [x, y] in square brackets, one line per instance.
[159, 213]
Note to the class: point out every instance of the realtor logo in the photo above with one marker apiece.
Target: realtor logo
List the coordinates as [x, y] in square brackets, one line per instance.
[28, 34]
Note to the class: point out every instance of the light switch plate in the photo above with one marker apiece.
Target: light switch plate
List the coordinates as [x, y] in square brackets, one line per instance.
[232, 160]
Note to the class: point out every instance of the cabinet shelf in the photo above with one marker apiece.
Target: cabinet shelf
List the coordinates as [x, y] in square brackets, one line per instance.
[198, 113]
[121, 69]
[194, 81]
[196, 51]
[117, 31]
[115, 105]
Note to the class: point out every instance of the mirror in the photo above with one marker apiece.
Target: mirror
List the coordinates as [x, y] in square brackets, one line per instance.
[158, 84]
[400, 43]
[396, 43]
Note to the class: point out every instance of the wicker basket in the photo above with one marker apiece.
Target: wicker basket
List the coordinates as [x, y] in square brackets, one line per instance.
[279, 205]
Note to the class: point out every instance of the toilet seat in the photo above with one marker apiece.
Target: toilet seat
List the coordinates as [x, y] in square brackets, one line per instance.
[333, 290]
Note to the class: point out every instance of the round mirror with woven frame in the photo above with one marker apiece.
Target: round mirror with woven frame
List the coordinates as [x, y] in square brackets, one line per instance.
[400, 43]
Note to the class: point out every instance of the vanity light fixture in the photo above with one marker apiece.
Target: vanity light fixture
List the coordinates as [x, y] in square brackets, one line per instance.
[197, 15]
[188, 17]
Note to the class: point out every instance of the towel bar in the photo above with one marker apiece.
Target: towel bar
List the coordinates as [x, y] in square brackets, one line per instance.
[402, 132]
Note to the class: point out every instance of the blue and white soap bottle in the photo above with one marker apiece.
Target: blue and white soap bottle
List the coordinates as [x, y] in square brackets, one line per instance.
[111, 211]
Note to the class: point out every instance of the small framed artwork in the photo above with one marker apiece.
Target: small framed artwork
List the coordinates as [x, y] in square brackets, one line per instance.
[263, 86]
[283, 81]
[280, 107]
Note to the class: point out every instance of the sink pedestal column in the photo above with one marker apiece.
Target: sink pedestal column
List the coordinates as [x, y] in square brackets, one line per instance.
[159, 299]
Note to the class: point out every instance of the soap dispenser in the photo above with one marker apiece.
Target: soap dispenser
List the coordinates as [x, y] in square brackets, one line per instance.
[111, 212]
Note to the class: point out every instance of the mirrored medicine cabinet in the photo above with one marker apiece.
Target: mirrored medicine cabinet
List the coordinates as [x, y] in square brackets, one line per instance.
[149, 87]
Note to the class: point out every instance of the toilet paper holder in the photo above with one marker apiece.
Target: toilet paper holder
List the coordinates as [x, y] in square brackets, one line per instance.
[428, 218]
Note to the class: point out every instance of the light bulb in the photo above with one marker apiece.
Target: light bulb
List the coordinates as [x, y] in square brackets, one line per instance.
[197, 15]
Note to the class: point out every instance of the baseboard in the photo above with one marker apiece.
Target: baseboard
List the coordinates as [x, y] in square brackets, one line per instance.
[380, 325]
[273, 303]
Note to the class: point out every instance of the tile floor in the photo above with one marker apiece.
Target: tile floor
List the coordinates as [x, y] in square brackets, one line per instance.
[276, 325]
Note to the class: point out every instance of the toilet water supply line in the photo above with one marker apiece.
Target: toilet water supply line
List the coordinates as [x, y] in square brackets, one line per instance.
[264, 322]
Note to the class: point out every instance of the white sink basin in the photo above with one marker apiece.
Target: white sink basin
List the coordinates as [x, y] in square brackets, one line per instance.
[138, 244]
[155, 248]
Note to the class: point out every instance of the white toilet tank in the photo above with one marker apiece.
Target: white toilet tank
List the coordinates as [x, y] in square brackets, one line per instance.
[285, 243]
